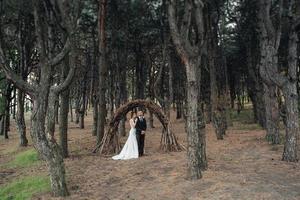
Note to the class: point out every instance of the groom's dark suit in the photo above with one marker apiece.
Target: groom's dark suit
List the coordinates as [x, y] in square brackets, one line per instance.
[140, 126]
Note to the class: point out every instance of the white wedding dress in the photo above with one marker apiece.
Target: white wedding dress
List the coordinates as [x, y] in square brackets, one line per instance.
[130, 149]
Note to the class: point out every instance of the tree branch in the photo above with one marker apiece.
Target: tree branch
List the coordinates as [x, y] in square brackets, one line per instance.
[186, 21]
[178, 41]
[14, 78]
[64, 85]
[199, 20]
[59, 57]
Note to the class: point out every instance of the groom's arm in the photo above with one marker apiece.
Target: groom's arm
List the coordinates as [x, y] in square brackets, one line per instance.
[144, 125]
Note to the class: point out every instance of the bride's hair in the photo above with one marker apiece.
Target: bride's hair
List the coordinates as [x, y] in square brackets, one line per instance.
[133, 114]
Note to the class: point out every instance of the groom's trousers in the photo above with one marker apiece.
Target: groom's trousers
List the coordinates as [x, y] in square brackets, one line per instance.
[141, 141]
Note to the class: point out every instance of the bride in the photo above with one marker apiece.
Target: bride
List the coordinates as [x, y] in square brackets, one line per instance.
[130, 149]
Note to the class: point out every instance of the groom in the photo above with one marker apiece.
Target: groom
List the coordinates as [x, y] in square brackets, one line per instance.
[141, 127]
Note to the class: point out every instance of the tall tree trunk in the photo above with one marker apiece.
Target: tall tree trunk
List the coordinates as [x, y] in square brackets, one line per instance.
[170, 96]
[14, 103]
[272, 114]
[123, 88]
[63, 122]
[6, 103]
[44, 140]
[195, 125]
[20, 119]
[102, 70]
[63, 112]
[179, 109]
[190, 54]
[123, 98]
[77, 105]
[71, 110]
[83, 105]
[270, 38]
[94, 97]
[151, 91]
[56, 110]
[291, 102]
[47, 147]
[255, 86]
[140, 73]
[218, 81]
[269, 44]
[95, 115]
[2, 125]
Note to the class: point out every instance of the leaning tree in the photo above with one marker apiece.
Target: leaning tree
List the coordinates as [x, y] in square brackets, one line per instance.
[270, 32]
[43, 90]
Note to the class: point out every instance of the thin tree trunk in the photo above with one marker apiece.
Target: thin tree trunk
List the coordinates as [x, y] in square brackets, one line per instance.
[71, 110]
[63, 112]
[77, 106]
[95, 115]
[83, 105]
[63, 123]
[14, 103]
[56, 111]
[102, 71]
[140, 72]
[2, 126]
[20, 119]
[6, 104]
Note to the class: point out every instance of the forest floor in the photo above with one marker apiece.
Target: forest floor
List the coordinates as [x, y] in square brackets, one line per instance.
[242, 166]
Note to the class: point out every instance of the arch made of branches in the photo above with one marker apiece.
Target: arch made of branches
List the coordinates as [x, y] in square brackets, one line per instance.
[110, 142]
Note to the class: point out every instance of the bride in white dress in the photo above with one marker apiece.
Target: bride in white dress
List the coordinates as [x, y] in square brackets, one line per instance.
[130, 149]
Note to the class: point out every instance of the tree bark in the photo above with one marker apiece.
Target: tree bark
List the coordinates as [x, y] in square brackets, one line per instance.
[269, 44]
[102, 71]
[63, 112]
[140, 72]
[195, 130]
[83, 104]
[43, 94]
[95, 115]
[270, 38]
[6, 103]
[47, 147]
[77, 105]
[190, 55]
[71, 111]
[20, 119]
[291, 102]
[272, 114]
[218, 80]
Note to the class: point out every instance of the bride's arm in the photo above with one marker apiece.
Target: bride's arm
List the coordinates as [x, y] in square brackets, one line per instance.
[132, 123]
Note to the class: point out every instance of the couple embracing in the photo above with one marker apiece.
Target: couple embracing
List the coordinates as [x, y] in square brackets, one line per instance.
[134, 146]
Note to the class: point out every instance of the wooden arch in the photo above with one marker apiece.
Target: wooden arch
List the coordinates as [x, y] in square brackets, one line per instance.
[110, 141]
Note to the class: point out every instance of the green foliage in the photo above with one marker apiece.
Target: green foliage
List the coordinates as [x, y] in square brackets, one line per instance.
[245, 116]
[24, 188]
[24, 159]
[244, 120]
